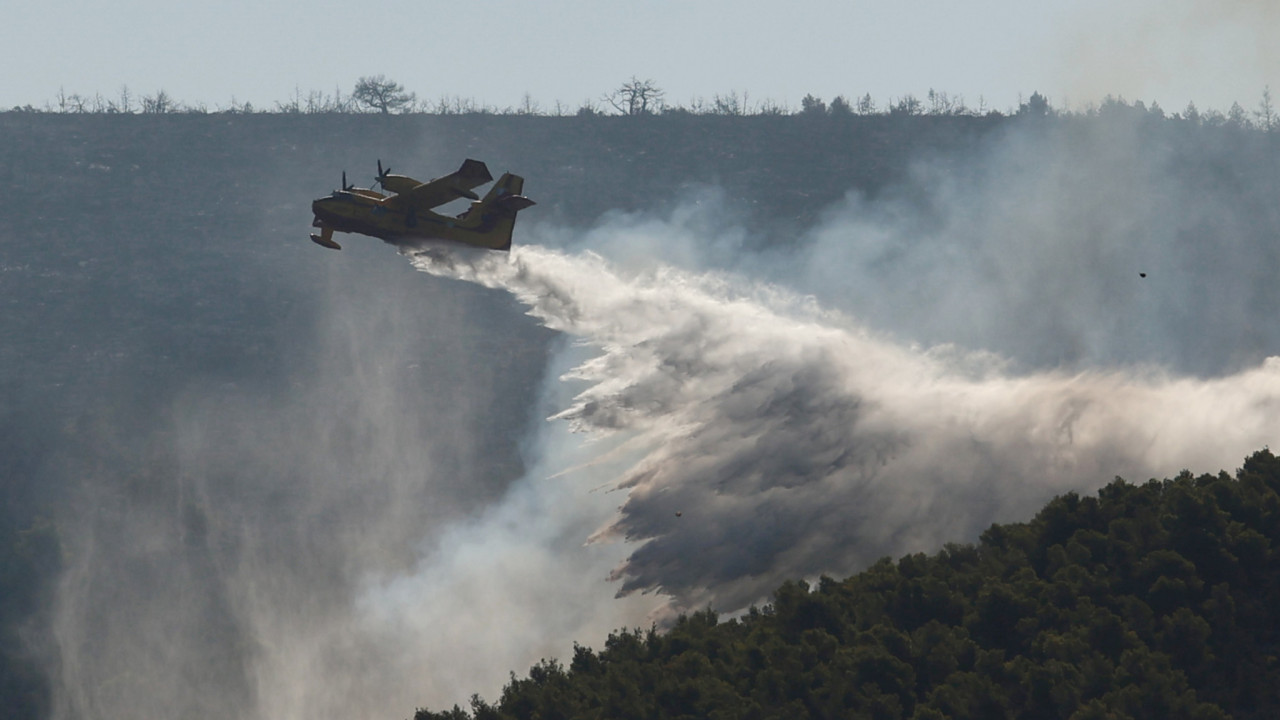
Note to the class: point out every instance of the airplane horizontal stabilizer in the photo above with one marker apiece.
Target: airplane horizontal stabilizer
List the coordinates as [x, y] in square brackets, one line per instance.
[514, 203]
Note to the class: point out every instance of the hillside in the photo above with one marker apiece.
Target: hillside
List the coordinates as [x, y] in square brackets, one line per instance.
[206, 422]
[1147, 601]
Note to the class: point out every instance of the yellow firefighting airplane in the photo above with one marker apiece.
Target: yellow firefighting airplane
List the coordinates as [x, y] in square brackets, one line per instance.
[404, 213]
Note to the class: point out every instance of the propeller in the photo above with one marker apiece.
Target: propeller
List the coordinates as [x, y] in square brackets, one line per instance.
[382, 174]
[345, 186]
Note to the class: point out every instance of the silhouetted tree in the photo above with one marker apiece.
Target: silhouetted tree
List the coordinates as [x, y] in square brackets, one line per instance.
[731, 104]
[1035, 106]
[941, 103]
[636, 97]
[159, 103]
[1266, 112]
[907, 105]
[528, 106]
[126, 101]
[1192, 114]
[810, 105]
[383, 95]
[1236, 116]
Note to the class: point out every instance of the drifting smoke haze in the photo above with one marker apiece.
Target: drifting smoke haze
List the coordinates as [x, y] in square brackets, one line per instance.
[950, 353]
[1173, 52]
[218, 576]
[1077, 245]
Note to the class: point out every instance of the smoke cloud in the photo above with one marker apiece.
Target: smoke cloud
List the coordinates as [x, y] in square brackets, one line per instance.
[1082, 243]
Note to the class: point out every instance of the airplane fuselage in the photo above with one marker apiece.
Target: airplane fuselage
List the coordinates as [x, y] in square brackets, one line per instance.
[407, 213]
[357, 212]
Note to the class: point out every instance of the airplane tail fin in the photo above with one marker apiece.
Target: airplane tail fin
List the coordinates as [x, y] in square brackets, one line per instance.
[498, 210]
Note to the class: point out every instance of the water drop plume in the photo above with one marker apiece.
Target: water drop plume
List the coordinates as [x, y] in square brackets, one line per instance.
[767, 439]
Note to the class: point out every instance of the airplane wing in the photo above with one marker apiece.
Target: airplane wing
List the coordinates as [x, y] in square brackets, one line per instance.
[424, 196]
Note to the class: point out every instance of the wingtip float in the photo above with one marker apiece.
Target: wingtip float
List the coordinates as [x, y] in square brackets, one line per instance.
[403, 211]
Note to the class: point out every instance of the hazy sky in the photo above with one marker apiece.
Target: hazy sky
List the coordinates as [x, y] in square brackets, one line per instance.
[571, 51]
